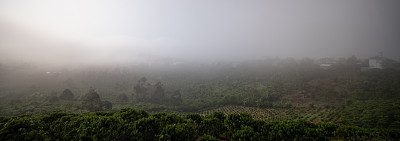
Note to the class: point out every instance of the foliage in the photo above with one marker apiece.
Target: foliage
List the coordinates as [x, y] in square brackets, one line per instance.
[131, 115]
[373, 113]
[219, 115]
[158, 94]
[246, 133]
[236, 121]
[208, 138]
[53, 99]
[195, 117]
[147, 128]
[122, 99]
[177, 132]
[107, 105]
[212, 126]
[67, 95]
[283, 95]
[22, 128]
[91, 101]
[141, 89]
[377, 102]
[131, 124]
[176, 98]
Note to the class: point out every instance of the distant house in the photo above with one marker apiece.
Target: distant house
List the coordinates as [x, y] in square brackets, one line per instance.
[327, 61]
[325, 66]
[375, 63]
[53, 73]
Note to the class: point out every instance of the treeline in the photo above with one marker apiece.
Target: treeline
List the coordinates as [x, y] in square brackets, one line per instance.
[131, 124]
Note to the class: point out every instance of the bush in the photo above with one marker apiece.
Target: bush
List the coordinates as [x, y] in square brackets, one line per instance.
[130, 124]
[21, 128]
[131, 115]
[147, 129]
[208, 138]
[219, 115]
[246, 133]
[177, 132]
[212, 126]
[195, 117]
[235, 121]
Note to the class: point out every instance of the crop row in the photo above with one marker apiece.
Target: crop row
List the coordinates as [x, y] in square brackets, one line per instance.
[278, 114]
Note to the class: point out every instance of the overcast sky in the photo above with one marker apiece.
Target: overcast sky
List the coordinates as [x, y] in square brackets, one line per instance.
[125, 30]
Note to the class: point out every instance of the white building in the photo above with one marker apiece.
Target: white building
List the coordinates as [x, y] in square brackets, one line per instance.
[375, 63]
[325, 66]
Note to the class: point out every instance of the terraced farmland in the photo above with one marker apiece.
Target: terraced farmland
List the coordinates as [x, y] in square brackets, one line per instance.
[280, 114]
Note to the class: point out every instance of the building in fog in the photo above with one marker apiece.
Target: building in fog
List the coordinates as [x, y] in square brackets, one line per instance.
[375, 63]
[325, 66]
[326, 63]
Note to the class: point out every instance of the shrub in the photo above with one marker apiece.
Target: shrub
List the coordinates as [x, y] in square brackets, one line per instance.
[147, 129]
[177, 132]
[195, 117]
[208, 138]
[212, 126]
[246, 133]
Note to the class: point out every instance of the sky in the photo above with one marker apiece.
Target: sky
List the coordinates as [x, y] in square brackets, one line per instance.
[98, 31]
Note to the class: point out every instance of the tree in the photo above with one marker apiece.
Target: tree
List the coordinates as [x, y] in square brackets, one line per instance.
[212, 126]
[147, 128]
[234, 122]
[158, 94]
[91, 101]
[177, 132]
[140, 89]
[122, 99]
[352, 60]
[246, 133]
[131, 115]
[195, 117]
[21, 128]
[176, 98]
[67, 95]
[143, 79]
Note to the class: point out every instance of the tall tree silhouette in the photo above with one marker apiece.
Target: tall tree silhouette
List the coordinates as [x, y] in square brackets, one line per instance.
[140, 89]
[91, 101]
[158, 94]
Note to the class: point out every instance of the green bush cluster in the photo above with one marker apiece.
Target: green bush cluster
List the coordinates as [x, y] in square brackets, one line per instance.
[131, 124]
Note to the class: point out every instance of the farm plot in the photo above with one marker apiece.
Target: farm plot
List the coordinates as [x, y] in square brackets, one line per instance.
[279, 114]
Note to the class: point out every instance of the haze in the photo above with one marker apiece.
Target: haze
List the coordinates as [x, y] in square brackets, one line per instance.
[120, 31]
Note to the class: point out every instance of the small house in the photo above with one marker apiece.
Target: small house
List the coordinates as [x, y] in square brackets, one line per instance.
[325, 66]
[375, 63]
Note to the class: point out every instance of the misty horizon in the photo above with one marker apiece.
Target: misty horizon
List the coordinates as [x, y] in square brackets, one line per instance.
[105, 32]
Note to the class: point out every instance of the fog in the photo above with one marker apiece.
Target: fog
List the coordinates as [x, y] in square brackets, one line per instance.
[119, 31]
[333, 61]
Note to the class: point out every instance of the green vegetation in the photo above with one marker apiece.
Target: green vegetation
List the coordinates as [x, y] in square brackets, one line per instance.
[131, 124]
[284, 99]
